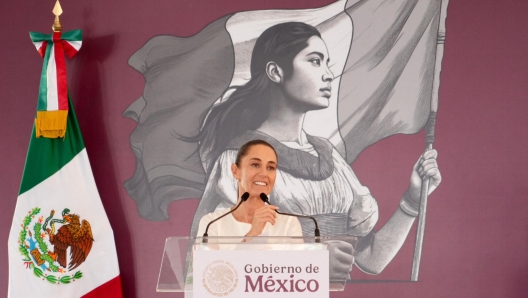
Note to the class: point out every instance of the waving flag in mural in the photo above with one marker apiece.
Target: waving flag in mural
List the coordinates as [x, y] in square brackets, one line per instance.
[199, 105]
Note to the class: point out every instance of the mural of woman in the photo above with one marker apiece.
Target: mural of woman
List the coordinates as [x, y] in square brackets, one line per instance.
[320, 85]
[290, 77]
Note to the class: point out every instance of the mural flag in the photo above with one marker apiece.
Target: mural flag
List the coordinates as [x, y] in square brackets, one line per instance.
[383, 58]
[60, 243]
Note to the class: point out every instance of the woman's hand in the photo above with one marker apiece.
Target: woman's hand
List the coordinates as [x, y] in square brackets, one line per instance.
[425, 168]
[262, 216]
[341, 255]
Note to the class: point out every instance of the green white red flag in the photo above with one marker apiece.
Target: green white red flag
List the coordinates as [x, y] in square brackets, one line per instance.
[61, 243]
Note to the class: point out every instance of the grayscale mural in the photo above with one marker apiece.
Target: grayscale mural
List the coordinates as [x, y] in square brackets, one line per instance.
[320, 85]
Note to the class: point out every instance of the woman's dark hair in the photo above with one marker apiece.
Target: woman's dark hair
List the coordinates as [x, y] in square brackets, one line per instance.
[243, 151]
[249, 105]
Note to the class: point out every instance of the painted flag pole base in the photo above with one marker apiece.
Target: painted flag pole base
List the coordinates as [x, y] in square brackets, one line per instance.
[420, 231]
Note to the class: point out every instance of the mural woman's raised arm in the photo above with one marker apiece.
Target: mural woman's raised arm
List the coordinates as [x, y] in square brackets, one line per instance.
[389, 239]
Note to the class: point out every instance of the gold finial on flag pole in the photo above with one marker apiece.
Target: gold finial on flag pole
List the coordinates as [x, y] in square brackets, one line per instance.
[57, 11]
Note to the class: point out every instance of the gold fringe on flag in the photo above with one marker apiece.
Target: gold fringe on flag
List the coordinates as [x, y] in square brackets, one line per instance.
[51, 124]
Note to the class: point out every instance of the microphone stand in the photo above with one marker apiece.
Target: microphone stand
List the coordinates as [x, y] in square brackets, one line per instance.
[243, 198]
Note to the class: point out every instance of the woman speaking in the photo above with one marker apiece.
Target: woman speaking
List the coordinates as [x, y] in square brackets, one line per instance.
[255, 170]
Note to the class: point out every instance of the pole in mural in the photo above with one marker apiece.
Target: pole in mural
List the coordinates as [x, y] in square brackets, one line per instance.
[429, 140]
[429, 129]
[60, 243]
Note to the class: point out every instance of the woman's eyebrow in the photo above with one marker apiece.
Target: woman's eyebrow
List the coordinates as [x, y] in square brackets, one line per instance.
[321, 55]
[316, 53]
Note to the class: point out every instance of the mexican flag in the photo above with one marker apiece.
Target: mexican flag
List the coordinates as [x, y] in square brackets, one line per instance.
[61, 243]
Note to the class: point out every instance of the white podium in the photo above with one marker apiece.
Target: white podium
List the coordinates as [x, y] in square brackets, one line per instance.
[249, 266]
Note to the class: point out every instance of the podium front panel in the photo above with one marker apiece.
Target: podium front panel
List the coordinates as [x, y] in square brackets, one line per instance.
[252, 266]
[260, 270]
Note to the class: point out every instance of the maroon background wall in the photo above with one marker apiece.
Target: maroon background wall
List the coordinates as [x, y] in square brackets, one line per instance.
[476, 242]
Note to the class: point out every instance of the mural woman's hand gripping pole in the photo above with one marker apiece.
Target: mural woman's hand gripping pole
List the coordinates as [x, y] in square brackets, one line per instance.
[429, 178]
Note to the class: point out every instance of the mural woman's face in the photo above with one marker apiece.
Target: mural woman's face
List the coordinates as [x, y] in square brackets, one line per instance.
[309, 85]
[257, 171]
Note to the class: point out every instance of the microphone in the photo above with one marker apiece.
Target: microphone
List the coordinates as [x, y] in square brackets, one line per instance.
[264, 198]
[243, 198]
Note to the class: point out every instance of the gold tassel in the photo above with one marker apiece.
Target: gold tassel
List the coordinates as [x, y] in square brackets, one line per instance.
[51, 124]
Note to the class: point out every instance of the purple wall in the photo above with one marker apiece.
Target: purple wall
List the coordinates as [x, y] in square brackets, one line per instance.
[477, 231]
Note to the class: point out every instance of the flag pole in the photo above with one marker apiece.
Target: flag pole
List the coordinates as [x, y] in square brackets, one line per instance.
[57, 11]
[429, 140]
[420, 231]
